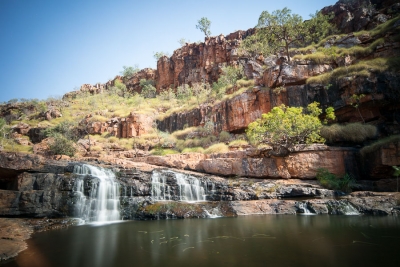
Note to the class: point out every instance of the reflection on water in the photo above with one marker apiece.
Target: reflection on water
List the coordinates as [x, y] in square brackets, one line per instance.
[244, 241]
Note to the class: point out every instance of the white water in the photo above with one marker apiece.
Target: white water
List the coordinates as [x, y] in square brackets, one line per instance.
[350, 210]
[190, 188]
[306, 211]
[102, 204]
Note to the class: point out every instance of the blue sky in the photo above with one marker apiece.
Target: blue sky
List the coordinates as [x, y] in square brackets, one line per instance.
[50, 47]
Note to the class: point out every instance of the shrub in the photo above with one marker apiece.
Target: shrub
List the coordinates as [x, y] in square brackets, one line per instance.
[217, 148]
[353, 132]
[158, 55]
[224, 136]
[378, 144]
[61, 145]
[66, 128]
[5, 131]
[148, 89]
[284, 127]
[129, 71]
[330, 181]
[207, 141]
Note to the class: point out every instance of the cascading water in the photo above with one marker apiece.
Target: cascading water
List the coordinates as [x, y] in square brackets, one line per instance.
[350, 210]
[303, 208]
[189, 188]
[103, 202]
[159, 189]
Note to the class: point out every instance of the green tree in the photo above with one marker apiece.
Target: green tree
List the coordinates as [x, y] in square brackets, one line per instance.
[183, 41]
[282, 29]
[231, 74]
[202, 92]
[254, 45]
[284, 127]
[184, 92]
[329, 115]
[148, 89]
[158, 55]
[128, 72]
[203, 25]
[318, 27]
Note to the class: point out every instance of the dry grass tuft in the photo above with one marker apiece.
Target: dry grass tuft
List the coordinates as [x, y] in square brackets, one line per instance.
[217, 148]
[380, 143]
[353, 132]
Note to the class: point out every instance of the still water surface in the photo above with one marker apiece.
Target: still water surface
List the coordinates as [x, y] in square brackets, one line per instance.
[244, 241]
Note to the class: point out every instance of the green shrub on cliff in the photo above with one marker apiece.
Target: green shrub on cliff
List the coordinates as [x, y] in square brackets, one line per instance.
[60, 145]
[281, 30]
[129, 71]
[148, 89]
[284, 127]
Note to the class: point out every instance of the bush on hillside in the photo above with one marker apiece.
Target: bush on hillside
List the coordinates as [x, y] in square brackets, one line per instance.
[351, 132]
[60, 145]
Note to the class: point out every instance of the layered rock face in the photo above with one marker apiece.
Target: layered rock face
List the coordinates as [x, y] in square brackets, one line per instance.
[131, 126]
[232, 115]
[378, 162]
[351, 16]
[379, 103]
[194, 63]
[301, 165]
[31, 187]
[133, 83]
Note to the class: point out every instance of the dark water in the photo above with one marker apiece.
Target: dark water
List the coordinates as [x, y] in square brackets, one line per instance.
[244, 241]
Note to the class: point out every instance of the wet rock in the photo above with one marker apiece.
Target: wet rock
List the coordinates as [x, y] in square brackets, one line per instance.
[13, 233]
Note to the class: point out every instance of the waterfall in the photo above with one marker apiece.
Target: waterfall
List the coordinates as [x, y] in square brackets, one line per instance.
[182, 187]
[303, 208]
[159, 189]
[102, 204]
[350, 210]
[190, 188]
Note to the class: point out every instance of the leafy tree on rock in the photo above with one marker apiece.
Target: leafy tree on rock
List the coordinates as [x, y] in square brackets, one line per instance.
[203, 25]
[129, 71]
[158, 55]
[284, 127]
[318, 27]
[282, 29]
